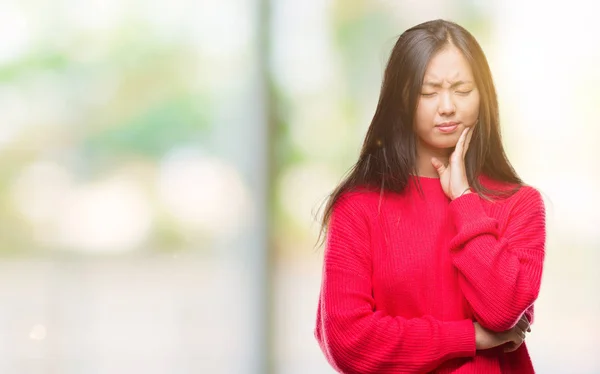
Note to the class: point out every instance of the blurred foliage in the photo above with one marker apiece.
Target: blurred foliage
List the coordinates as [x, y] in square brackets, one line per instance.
[127, 96]
[39, 60]
[153, 131]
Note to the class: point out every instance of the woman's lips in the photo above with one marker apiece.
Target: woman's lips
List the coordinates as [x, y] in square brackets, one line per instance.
[447, 127]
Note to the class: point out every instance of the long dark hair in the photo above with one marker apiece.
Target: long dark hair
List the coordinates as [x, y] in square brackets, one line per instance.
[388, 155]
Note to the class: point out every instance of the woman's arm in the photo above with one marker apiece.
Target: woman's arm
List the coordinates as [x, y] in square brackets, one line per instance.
[500, 274]
[353, 336]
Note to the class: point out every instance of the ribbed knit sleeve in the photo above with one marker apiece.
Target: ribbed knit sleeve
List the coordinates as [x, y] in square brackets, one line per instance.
[500, 272]
[356, 337]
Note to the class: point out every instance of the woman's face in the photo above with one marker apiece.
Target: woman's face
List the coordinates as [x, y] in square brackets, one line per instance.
[449, 100]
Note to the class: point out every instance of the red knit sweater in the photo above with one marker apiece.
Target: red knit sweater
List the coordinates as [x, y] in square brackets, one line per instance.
[405, 276]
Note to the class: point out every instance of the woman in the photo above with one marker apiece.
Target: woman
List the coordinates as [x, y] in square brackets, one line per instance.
[434, 246]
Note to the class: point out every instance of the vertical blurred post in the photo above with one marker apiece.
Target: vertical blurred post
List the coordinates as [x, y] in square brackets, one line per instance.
[261, 182]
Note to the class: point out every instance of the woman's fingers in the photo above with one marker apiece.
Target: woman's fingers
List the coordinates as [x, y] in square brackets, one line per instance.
[511, 347]
[518, 335]
[460, 145]
[467, 141]
[520, 332]
[523, 324]
[524, 317]
[438, 165]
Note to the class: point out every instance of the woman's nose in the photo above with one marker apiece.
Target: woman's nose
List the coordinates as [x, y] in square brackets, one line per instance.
[446, 105]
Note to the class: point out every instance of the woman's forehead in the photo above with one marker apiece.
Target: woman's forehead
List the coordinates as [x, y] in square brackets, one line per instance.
[448, 66]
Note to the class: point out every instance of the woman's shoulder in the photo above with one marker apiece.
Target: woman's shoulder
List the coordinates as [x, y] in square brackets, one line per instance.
[360, 196]
[353, 207]
[515, 193]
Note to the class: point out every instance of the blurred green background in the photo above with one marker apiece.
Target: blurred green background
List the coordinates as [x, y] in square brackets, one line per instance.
[162, 165]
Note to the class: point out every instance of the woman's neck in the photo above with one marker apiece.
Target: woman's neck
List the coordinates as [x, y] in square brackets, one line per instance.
[424, 155]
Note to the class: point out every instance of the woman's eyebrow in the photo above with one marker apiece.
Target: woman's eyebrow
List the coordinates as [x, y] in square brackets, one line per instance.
[439, 85]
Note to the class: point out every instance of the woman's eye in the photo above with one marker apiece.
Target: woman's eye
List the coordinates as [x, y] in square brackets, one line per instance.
[464, 92]
[427, 94]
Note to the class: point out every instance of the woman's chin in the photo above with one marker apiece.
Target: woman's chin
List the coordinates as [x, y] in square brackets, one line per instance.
[438, 143]
[444, 144]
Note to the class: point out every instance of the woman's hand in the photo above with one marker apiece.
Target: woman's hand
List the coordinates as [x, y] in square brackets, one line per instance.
[486, 339]
[524, 327]
[453, 176]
